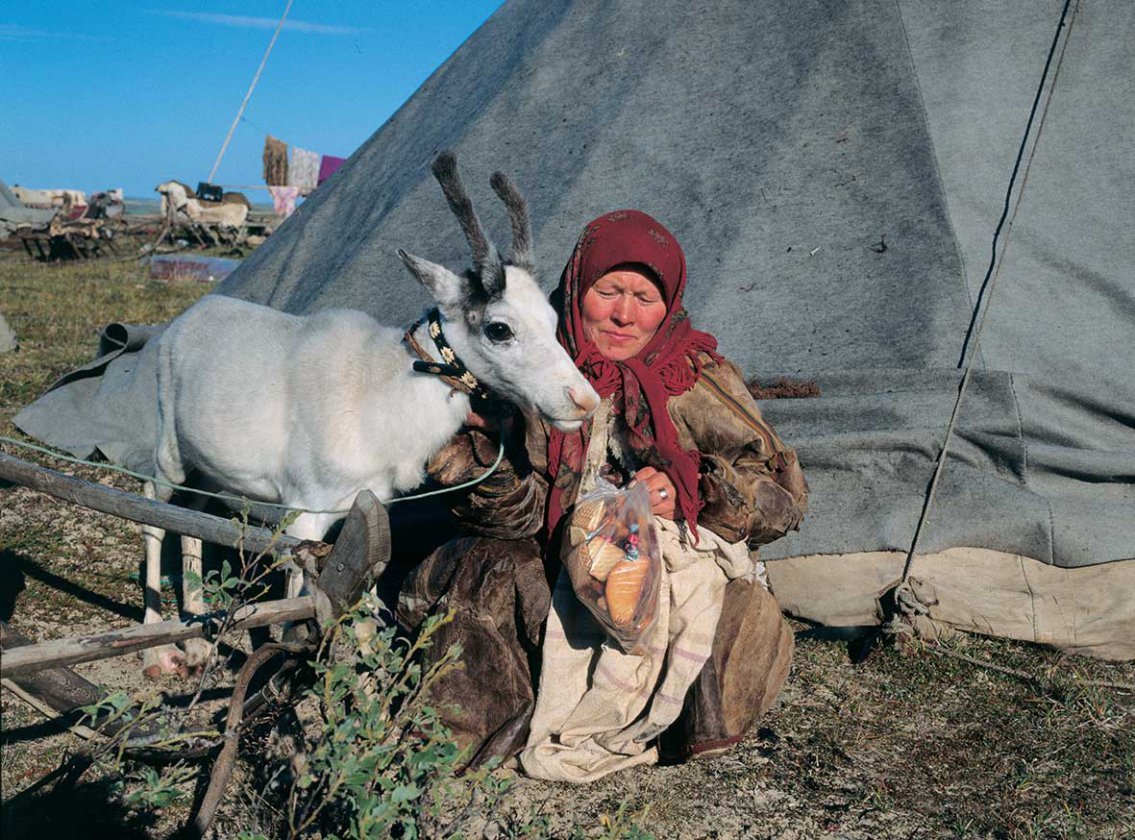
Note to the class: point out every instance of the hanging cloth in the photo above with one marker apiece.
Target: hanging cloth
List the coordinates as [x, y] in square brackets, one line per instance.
[304, 170]
[284, 200]
[275, 162]
[328, 166]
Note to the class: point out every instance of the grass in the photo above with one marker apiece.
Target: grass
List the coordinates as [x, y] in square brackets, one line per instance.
[906, 744]
[57, 311]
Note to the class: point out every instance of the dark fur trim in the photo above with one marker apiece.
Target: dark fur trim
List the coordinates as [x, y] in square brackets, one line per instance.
[784, 388]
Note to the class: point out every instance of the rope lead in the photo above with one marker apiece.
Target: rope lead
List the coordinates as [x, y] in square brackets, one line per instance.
[244, 500]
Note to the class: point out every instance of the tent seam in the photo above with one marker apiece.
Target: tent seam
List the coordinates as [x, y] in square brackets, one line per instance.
[1051, 533]
[1031, 594]
[1020, 431]
[937, 164]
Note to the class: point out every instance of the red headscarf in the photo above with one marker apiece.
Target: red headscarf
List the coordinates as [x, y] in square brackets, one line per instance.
[668, 365]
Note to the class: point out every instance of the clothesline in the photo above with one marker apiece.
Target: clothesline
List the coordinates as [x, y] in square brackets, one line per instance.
[305, 169]
[291, 179]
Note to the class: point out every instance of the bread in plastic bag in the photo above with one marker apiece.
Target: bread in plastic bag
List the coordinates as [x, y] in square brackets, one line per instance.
[614, 561]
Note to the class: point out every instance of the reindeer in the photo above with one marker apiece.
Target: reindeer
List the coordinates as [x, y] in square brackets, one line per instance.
[306, 411]
[229, 214]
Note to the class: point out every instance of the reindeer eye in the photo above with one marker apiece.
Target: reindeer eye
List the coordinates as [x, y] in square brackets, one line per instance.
[498, 332]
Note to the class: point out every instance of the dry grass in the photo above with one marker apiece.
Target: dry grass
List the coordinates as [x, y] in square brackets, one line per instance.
[906, 744]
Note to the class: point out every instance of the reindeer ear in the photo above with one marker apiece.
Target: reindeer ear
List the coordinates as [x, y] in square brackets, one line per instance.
[447, 288]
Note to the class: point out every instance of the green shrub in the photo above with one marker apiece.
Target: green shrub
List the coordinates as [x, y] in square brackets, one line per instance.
[384, 764]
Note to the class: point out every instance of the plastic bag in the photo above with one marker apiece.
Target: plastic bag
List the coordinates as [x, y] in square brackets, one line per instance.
[614, 561]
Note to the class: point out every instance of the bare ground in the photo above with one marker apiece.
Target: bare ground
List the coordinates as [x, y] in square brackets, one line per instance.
[911, 742]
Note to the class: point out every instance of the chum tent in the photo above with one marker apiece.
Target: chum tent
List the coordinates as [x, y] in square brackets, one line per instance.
[14, 215]
[836, 171]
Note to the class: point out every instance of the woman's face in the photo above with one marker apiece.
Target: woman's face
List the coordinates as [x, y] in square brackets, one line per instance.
[621, 313]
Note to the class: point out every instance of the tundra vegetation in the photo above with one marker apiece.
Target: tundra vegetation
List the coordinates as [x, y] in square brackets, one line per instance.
[911, 741]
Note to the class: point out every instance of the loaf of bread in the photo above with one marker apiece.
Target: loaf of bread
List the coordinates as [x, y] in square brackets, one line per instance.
[612, 556]
[624, 586]
[588, 514]
[602, 556]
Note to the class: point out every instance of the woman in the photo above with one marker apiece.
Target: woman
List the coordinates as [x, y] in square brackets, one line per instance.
[676, 417]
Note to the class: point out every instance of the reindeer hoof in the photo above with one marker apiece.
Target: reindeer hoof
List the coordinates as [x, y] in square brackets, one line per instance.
[162, 661]
[197, 652]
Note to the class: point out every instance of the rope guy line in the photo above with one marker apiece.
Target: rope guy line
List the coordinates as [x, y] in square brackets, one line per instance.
[993, 272]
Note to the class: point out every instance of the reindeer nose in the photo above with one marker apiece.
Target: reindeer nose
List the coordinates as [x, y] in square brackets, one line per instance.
[584, 397]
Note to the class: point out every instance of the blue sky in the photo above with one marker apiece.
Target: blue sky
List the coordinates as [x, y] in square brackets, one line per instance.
[98, 95]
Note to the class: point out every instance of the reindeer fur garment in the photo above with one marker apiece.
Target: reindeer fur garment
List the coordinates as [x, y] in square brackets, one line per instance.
[752, 483]
[755, 492]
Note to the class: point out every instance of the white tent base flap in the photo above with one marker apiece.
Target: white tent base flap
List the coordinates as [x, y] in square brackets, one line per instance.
[1086, 610]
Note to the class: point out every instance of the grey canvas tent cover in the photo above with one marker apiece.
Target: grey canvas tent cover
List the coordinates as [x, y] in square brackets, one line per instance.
[835, 170]
[13, 214]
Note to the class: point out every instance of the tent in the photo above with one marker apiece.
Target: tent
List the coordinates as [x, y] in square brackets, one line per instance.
[13, 214]
[836, 171]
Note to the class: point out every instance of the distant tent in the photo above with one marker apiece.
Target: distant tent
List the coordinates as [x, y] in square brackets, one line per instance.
[13, 213]
[835, 171]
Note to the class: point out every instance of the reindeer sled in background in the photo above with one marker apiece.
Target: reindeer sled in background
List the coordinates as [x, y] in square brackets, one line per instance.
[307, 411]
[218, 222]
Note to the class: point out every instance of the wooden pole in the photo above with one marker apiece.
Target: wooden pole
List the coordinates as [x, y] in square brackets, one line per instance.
[59, 688]
[251, 88]
[193, 523]
[60, 652]
[60, 691]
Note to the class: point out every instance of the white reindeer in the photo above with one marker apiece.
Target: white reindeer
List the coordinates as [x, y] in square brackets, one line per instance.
[230, 212]
[308, 411]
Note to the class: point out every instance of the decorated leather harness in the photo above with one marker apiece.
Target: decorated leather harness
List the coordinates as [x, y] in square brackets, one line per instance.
[451, 369]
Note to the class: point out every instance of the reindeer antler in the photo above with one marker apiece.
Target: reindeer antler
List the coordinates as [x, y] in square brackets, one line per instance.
[486, 259]
[521, 251]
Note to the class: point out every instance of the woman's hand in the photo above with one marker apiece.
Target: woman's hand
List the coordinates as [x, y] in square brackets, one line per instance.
[489, 425]
[662, 492]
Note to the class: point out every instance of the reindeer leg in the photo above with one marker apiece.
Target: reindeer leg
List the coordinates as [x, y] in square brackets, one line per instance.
[308, 526]
[197, 651]
[165, 659]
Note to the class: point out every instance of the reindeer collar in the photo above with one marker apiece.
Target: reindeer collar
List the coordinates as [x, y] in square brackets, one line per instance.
[451, 369]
